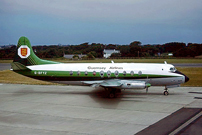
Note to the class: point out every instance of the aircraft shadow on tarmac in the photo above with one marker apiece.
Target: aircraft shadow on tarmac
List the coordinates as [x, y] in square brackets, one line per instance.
[99, 95]
[96, 93]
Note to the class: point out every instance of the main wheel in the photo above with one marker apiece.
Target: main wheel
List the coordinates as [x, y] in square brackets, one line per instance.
[112, 95]
[166, 93]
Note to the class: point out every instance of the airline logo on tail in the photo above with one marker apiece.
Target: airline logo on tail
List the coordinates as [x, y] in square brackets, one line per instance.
[23, 51]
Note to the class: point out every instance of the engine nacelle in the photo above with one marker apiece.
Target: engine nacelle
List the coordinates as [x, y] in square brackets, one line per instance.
[135, 85]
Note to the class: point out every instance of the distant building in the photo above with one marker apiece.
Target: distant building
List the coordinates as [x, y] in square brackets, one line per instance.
[70, 56]
[108, 52]
[164, 54]
[170, 54]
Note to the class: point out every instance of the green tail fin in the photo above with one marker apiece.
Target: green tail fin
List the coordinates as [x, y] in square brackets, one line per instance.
[25, 56]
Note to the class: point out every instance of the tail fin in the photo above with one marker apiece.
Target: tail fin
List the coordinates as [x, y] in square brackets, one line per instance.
[25, 56]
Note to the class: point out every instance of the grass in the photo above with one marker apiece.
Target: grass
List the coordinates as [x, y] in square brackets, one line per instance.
[6, 61]
[121, 60]
[7, 76]
[194, 74]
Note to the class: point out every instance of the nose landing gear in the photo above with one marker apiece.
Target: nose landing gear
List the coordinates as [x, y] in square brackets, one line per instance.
[166, 93]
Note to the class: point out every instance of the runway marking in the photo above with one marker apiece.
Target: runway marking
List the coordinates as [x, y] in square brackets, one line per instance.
[186, 123]
[196, 92]
[172, 122]
[1, 84]
[197, 97]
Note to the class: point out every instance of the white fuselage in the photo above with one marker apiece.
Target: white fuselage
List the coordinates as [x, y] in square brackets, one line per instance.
[155, 74]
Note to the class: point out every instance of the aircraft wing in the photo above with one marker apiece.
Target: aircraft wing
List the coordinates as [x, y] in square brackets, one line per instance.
[111, 83]
[104, 83]
[116, 83]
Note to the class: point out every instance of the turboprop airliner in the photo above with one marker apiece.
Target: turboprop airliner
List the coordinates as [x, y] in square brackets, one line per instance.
[113, 77]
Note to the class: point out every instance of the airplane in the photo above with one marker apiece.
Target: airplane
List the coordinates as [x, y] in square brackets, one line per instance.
[113, 77]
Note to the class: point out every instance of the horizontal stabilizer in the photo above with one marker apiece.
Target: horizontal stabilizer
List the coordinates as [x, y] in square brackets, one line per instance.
[18, 66]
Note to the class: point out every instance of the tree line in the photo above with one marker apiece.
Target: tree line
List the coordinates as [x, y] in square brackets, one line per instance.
[134, 49]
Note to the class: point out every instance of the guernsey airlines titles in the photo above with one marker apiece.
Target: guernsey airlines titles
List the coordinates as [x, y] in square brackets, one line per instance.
[113, 77]
[103, 68]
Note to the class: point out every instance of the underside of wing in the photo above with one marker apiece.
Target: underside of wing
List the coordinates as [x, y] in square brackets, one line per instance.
[116, 83]
[104, 83]
[111, 83]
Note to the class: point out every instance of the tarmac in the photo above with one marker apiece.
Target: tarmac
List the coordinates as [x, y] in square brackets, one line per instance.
[5, 66]
[78, 110]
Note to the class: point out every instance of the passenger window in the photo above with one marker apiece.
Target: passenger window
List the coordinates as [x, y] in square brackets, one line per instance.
[116, 73]
[94, 73]
[102, 73]
[140, 73]
[86, 72]
[124, 73]
[131, 73]
[108, 73]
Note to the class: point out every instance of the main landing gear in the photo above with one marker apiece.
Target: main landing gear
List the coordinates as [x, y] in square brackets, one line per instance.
[112, 92]
[146, 89]
[166, 93]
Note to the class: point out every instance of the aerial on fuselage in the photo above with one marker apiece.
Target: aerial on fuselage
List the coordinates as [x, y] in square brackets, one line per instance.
[111, 76]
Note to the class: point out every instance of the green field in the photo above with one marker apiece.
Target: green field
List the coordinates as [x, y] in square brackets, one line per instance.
[8, 76]
[194, 74]
[122, 60]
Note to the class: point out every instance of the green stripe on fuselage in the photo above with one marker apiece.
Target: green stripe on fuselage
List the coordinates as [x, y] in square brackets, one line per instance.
[65, 75]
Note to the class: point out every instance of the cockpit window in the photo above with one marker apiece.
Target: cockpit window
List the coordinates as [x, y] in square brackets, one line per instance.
[173, 69]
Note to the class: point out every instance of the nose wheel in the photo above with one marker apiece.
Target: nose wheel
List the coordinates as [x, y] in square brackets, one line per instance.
[166, 93]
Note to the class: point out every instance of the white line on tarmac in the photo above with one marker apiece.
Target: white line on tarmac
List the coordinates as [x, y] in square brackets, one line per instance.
[186, 124]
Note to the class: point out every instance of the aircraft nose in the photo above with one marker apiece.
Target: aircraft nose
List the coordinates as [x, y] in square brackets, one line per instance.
[186, 78]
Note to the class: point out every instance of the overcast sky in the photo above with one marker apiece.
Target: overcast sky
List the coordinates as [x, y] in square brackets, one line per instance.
[101, 21]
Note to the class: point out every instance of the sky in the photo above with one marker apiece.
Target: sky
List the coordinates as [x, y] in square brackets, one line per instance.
[47, 22]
